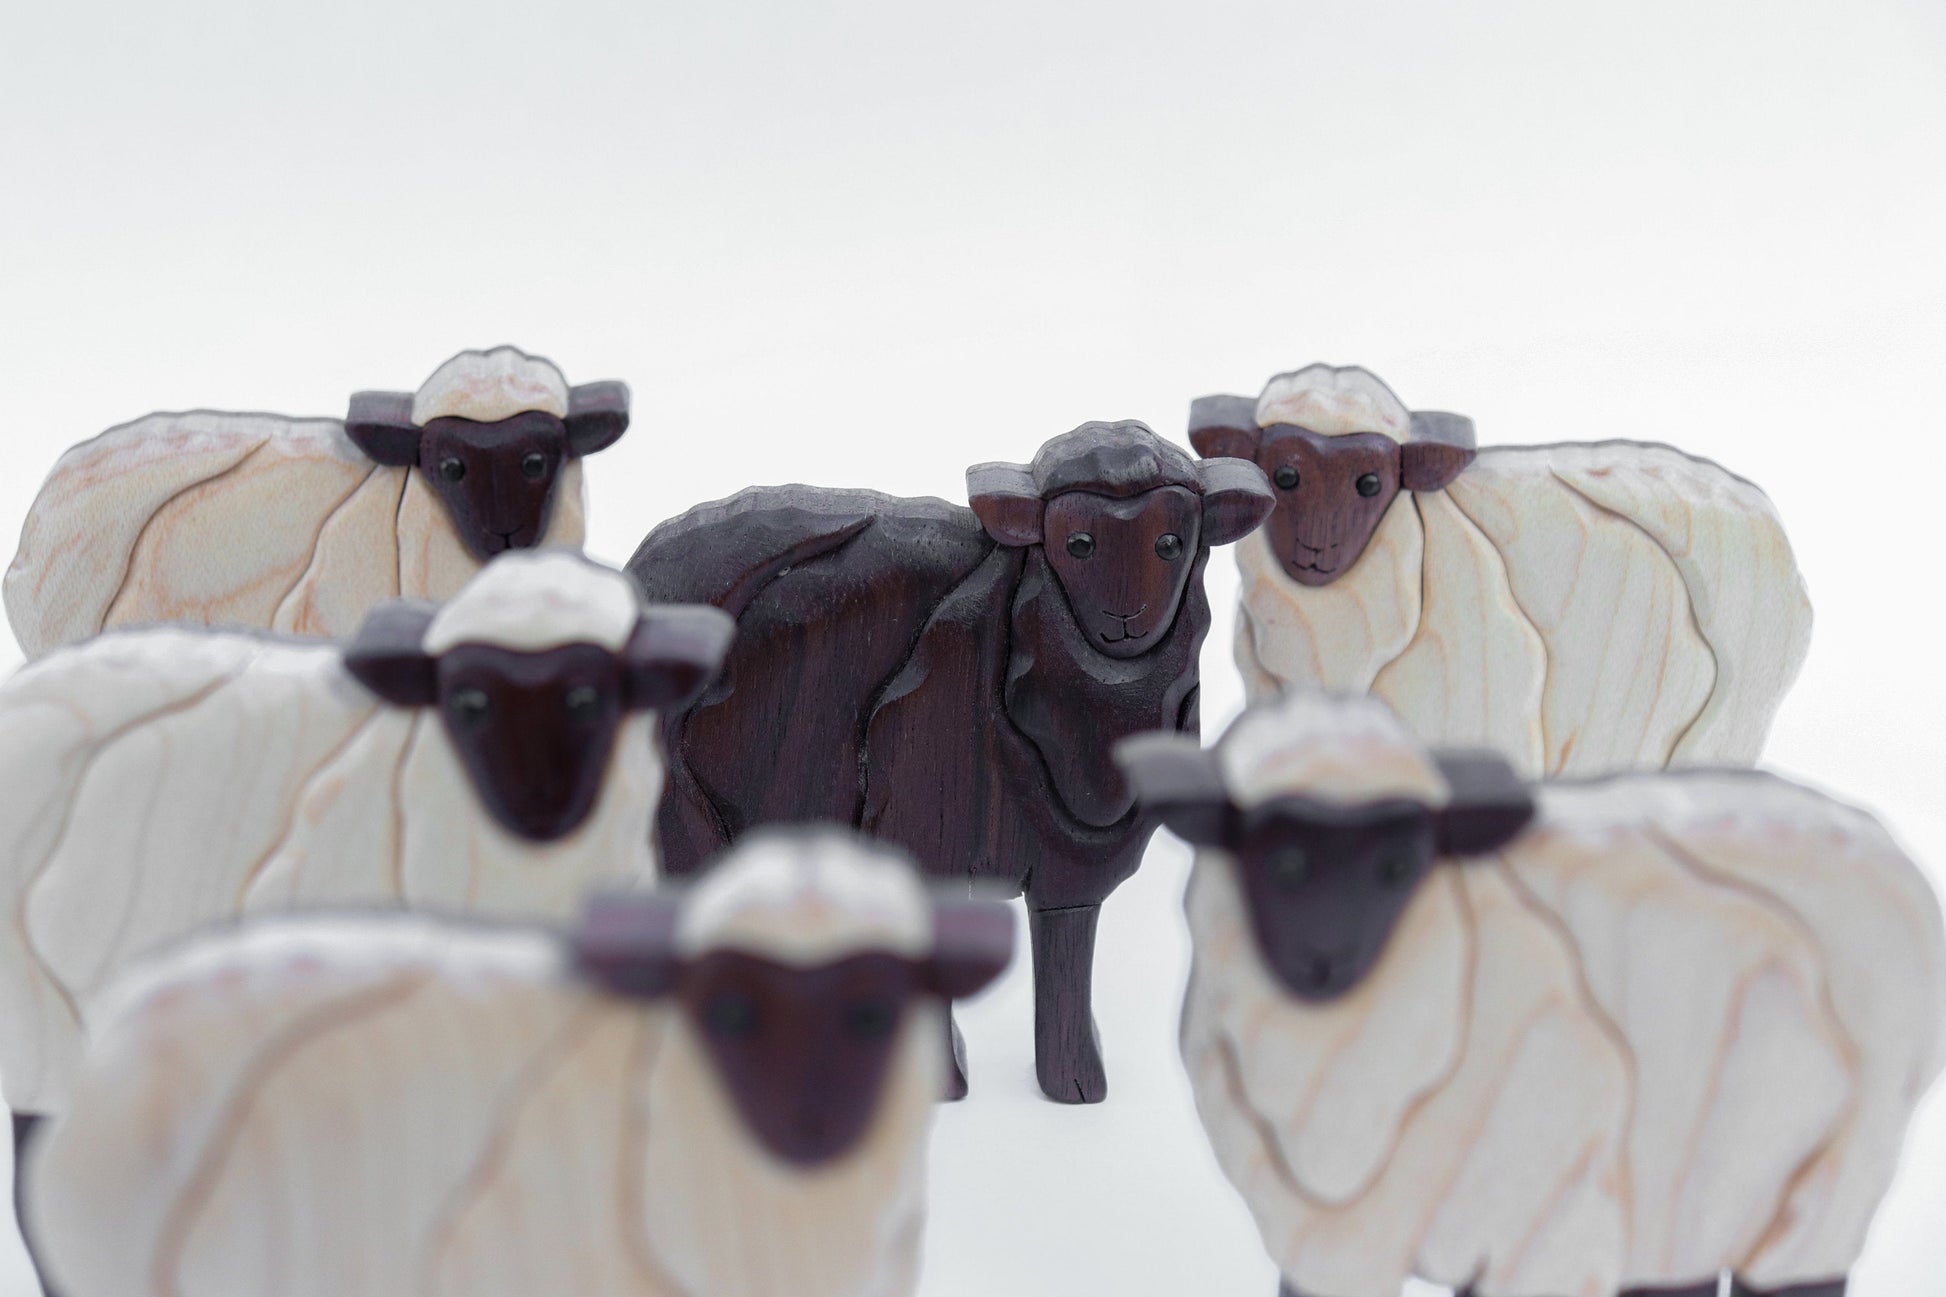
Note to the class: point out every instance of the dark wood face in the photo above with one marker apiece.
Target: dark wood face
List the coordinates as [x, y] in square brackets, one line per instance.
[496, 480]
[1326, 885]
[803, 1052]
[533, 730]
[1123, 564]
[1331, 493]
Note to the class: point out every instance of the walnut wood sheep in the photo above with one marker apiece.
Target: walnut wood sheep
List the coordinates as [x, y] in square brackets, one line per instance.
[723, 1096]
[952, 679]
[303, 525]
[1582, 607]
[497, 755]
[1534, 1040]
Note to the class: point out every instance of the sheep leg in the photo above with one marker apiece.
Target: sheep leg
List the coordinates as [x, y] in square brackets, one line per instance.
[24, 1129]
[1825, 1288]
[955, 1060]
[1067, 1048]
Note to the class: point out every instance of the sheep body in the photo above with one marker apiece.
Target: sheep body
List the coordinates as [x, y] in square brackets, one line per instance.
[377, 1107]
[1581, 607]
[1677, 1026]
[159, 779]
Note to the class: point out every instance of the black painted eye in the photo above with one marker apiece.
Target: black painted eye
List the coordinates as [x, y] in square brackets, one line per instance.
[582, 703]
[532, 465]
[1395, 867]
[871, 1019]
[1285, 477]
[1369, 485]
[1169, 545]
[731, 1015]
[451, 468]
[1081, 544]
[1288, 866]
[469, 706]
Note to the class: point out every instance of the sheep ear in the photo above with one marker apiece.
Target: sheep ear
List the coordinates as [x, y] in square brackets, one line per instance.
[1439, 450]
[675, 651]
[626, 944]
[973, 942]
[1178, 782]
[1225, 427]
[1236, 499]
[1489, 805]
[380, 424]
[597, 416]
[1007, 503]
[385, 656]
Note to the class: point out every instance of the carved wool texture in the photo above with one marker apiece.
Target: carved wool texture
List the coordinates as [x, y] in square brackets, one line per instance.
[234, 520]
[156, 781]
[1680, 1027]
[357, 1109]
[1580, 608]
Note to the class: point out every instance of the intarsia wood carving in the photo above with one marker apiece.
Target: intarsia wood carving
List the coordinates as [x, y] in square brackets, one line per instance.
[303, 525]
[952, 679]
[1581, 607]
[497, 755]
[1524, 1039]
[719, 1094]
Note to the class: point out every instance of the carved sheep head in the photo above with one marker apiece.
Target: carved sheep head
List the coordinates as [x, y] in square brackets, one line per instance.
[1327, 854]
[491, 430]
[795, 961]
[1337, 446]
[532, 667]
[1122, 516]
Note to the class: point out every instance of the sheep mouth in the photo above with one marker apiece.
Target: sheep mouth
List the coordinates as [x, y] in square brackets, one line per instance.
[1124, 618]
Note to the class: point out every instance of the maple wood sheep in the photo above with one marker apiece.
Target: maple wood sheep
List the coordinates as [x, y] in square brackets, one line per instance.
[1573, 1037]
[1581, 607]
[952, 679]
[723, 1096]
[304, 524]
[497, 755]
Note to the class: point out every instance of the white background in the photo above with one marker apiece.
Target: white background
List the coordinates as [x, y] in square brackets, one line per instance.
[868, 244]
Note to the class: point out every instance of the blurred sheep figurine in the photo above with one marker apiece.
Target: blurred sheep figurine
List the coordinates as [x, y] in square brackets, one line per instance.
[302, 525]
[721, 1096]
[1582, 607]
[952, 679]
[497, 755]
[1567, 1038]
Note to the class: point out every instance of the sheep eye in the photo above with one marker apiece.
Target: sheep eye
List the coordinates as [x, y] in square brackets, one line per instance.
[1288, 866]
[469, 706]
[1395, 868]
[871, 1020]
[731, 1016]
[1285, 477]
[451, 468]
[1169, 546]
[1081, 544]
[532, 465]
[582, 702]
[1369, 485]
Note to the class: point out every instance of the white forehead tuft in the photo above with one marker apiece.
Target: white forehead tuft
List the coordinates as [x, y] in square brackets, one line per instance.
[487, 386]
[1332, 749]
[1334, 401]
[808, 898]
[535, 599]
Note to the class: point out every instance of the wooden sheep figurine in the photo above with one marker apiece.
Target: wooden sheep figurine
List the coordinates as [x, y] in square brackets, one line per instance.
[721, 1096]
[952, 679]
[1582, 607]
[497, 755]
[1531, 1040]
[303, 525]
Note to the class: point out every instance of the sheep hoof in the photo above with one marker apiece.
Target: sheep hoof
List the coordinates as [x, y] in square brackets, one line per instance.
[955, 1084]
[1073, 1073]
[1824, 1288]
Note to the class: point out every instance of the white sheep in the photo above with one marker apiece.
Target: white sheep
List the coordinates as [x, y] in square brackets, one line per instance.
[723, 1098]
[303, 525]
[497, 755]
[1581, 607]
[1558, 1041]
